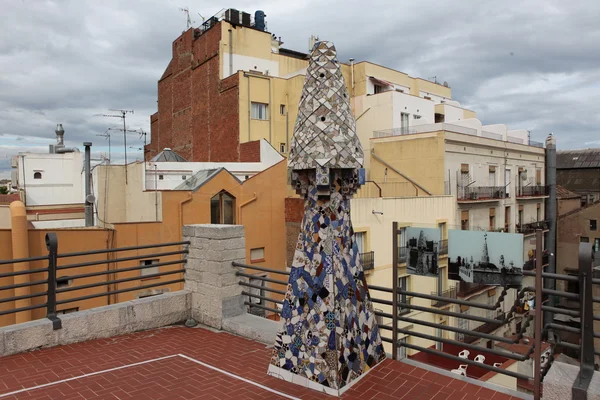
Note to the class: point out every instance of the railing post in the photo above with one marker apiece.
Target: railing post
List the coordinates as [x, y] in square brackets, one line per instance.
[52, 246]
[586, 363]
[395, 290]
[537, 355]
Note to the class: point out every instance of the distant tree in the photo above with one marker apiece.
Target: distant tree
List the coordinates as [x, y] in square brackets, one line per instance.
[3, 190]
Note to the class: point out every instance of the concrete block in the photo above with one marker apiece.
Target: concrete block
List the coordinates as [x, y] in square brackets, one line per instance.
[29, 336]
[187, 232]
[200, 243]
[253, 327]
[558, 383]
[233, 306]
[1, 343]
[226, 255]
[109, 320]
[210, 231]
[75, 328]
[234, 244]
[207, 319]
[193, 275]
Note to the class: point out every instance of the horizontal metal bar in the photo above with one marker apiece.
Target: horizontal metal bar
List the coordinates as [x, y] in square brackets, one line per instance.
[457, 330]
[104, 251]
[275, 271]
[596, 299]
[453, 314]
[505, 354]
[24, 284]
[104, 283]
[117, 260]
[565, 344]
[548, 275]
[381, 301]
[26, 272]
[595, 281]
[385, 327]
[565, 328]
[564, 311]
[559, 293]
[268, 289]
[92, 296]
[261, 297]
[381, 288]
[24, 297]
[260, 278]
[114, 271]
[466, 361]
[263, 307]
[20, 260]
[17, 310]
[388, 340]
[447, 300]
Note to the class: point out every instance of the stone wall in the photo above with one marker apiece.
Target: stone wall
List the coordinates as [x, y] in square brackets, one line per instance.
[102, 322]
[210, 276]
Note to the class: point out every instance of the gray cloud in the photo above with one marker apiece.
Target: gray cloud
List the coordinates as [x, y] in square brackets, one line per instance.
[532, 65]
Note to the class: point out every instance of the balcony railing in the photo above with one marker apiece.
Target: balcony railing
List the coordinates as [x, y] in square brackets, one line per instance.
[532, 191]
[478, 193]
[443, 247]
[530, 228]
[449, 294]
[367, 260]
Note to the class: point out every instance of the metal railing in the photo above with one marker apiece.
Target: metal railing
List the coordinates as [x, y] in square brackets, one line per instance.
[531, 227]
[536, 144]
[477, 193]
[513, 139]
[491, 135]
[367, 260]
[95, 283]
[411, 130]
[446, 294]
[532, 191]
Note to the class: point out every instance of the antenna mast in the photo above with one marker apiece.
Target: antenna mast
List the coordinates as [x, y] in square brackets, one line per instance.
[187, 17]
[122, 115]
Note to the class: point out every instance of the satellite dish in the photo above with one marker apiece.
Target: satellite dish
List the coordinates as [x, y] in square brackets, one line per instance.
[524, 176]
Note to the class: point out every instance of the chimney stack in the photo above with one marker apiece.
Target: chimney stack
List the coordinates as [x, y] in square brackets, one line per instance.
[60, 133]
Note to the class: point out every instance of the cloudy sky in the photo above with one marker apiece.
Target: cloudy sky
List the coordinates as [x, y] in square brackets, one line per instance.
[531, 64]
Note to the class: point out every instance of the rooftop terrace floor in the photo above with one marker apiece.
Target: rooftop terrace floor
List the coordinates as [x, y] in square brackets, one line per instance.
[183, 363]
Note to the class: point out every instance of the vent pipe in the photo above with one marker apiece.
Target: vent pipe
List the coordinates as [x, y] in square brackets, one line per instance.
[89, 197]
[60, 134]
[551, 216]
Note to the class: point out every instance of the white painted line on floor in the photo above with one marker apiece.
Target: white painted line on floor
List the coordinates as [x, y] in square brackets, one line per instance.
[287, 396]
[85, 375]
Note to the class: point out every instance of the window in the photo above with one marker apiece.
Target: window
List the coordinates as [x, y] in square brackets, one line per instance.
[259, 111]
[37, 175]
[507, 182]
[520, 216]
[492, 175]
[593, 224]
[596, 245]
[415, 116]
[359, 238]
[492, 219]
[282, 109]
[538, 214]
[507, 219]
[161, 177]
[222, 209]
[427, 97]
[378, 89]
[257, 255]
[282, 147]
[183, 177]
[404, 122]
[584, 239]
[538, 177]
[464, 175]
[149, 270]
[464, 220]
[63, 282]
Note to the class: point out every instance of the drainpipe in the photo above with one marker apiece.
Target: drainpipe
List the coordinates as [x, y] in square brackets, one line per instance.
[89, 197]
[20, 249]
[287, 125]
[244, 204]
[230, 52]
[551, 215]
[352, 73]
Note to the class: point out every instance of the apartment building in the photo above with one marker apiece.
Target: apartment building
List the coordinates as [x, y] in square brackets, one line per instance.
[579, 172]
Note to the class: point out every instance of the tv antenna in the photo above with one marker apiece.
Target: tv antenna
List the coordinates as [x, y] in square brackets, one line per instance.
[187, 17]
[123, 115]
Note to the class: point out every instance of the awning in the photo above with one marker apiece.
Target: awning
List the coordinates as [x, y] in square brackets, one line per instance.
[381, 82]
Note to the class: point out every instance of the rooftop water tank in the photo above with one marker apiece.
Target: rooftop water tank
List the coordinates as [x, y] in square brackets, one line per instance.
[259, 20]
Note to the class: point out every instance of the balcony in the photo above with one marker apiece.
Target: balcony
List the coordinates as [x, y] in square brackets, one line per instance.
[367, 260]
[473, 194]
[533, 191]
[466, 289]
[485, 328]
[530, 228]
[449, 294]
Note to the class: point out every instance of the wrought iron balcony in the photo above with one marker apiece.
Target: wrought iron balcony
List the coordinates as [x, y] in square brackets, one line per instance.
[367, 260]
[531, 227]
[449, 294]
[480, 193]
[532, 191]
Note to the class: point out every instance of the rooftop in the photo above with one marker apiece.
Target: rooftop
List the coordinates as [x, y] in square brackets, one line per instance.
[192, 363]
[564, 193]
[586, 158]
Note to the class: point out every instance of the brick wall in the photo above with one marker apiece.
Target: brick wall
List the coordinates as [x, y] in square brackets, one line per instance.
[250, 151]
[198, 113]
[294, 211]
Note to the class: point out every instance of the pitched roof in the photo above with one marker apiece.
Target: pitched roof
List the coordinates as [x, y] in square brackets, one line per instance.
[563, 193]
[585, 158]
[195, 181]
[167, 155]
[9, 198]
